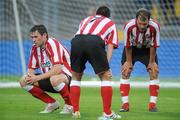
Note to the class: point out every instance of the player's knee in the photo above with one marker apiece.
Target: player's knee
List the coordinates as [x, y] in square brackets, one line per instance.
[153, 76]
[21, 81]
[58, 79]
[76, 76]
[107, 75]
[124, 76]
[54, 80]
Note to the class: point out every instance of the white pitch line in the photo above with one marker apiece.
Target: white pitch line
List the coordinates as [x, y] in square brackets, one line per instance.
[98, 83]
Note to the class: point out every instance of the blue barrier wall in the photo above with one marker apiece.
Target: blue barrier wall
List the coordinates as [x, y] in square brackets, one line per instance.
[168, 53]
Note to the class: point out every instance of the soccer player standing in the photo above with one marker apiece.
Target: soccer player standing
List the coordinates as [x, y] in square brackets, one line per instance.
[53, 59]
[94, 33]
[141, 40]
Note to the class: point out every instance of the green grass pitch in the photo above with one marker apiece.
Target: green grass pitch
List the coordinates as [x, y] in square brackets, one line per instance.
[17, 104]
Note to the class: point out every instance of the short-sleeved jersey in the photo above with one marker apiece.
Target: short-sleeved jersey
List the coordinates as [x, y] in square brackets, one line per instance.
[149, 38]
[54, 53]
[100, 26]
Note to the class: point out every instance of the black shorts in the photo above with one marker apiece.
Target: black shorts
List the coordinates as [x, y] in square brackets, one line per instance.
[89, 48]
[45, 84]
[139, 54]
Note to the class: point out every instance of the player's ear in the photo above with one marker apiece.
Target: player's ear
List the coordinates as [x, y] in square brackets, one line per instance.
[44, 35]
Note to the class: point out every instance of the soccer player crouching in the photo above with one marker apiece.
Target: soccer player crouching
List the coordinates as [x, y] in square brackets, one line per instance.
[53, 59]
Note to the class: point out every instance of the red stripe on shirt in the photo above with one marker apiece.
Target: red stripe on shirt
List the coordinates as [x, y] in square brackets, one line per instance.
[60, 60]
[128, 35]
[153, 31]
[33, 54]
[137, 35]
[42, 61]
[85, 24]
[66, 64]
[51, 53]
[104, 29]
[95, 24]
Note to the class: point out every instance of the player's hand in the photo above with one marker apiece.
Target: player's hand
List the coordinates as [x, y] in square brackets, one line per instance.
[27, 79]
[126, 69]
[34, 78]
[31, 78]
[153, 69]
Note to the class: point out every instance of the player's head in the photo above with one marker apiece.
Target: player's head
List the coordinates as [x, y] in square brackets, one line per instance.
[103, 10]
[142, 17]
[39, 34]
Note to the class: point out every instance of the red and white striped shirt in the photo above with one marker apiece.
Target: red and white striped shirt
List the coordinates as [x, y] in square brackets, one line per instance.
[133, 37]
[100, 26]
[53, 54]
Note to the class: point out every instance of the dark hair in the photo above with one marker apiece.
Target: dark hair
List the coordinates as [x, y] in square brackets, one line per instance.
[103, 10]
[40, 28]
[144, 12]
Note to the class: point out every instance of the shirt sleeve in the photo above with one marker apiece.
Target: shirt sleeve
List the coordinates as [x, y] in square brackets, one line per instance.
[55, 51]
[113, 36]
[127, 31]
[33, 61]
[156, 36]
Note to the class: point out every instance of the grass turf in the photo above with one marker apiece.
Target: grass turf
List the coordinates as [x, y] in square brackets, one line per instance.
[17, 104]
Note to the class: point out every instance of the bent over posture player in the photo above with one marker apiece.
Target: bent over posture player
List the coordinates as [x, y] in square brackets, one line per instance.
[54, 61]
[141, 40]
[89, 45]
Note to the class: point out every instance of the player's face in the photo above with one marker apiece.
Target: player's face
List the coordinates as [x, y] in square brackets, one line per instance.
[38, 39]
[142, 23]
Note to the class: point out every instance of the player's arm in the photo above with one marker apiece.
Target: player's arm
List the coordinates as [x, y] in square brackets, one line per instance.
[110, 48]
[128, 54]
[56, 54]
[152, 55]
[112, 42]
[128, 47]
[33, 64]
[155, 42]
[56, 69]
[152, 66]
[127, 66]
[31, 71]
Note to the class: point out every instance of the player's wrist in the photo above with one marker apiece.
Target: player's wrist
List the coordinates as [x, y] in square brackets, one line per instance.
[40, 77]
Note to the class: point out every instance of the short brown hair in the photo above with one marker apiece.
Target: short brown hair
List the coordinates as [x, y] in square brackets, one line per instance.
[144, 12]
[40, 28]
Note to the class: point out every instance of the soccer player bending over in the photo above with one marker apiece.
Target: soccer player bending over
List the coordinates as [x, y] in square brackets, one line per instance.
[53, 60]
[94, 33]
[141, 39]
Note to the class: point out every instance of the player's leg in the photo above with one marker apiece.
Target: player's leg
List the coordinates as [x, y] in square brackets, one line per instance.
[98, 60]
[60, 84]
[39, 93]
[106, 90]
[78, 61]
[75, 93]
[106, 93]
[153, 89]
[124, 86]
[154, 82]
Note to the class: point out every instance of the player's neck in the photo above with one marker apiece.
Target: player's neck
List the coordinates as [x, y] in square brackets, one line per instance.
[43, 46]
